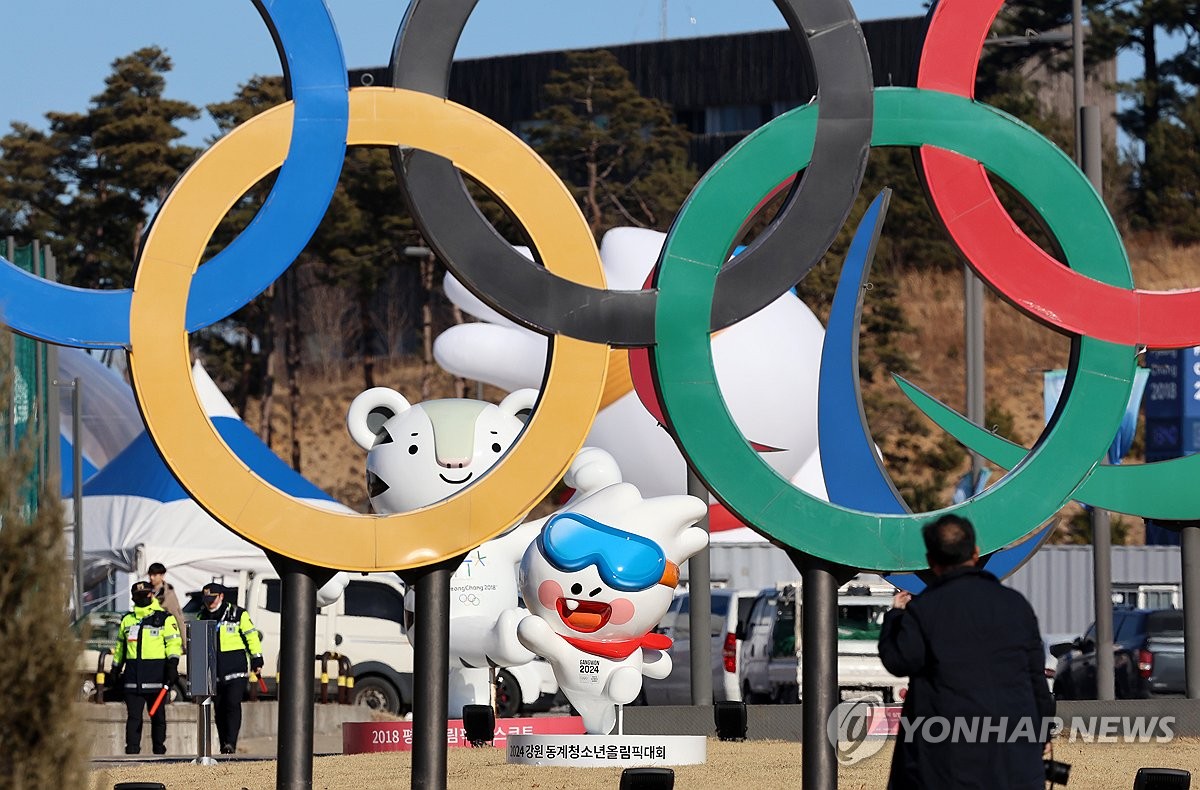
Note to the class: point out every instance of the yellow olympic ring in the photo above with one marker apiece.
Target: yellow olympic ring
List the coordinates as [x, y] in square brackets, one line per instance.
[230, 491]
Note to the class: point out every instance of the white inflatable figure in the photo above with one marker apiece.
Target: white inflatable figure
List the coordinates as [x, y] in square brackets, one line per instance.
[598, 578]
[484, 595]
[331, 590]
[766, 365]
[419, 454]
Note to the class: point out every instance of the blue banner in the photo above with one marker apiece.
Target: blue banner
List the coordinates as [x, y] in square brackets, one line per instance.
[1053, 381]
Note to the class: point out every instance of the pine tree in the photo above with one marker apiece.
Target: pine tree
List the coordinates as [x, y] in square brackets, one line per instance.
[1160, 98]
[87, 185]
[1173, 205]
[623, 157]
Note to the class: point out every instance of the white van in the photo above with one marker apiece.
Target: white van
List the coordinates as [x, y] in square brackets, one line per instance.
[364, 624]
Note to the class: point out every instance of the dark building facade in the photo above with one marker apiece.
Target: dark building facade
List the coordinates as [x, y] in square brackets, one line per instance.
[720, 88]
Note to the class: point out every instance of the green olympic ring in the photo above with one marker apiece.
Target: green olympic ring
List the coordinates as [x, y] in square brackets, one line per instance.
[705, 231]
[1150, 490]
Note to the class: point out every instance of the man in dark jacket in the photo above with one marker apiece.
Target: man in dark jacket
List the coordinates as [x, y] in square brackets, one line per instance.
[978, 705]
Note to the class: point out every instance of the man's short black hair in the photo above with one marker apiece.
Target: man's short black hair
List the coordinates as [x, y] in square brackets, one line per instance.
[156, 569]
[949, 541]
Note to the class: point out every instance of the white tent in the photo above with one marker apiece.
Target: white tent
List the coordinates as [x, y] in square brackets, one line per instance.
[109, 415]
[136, 513]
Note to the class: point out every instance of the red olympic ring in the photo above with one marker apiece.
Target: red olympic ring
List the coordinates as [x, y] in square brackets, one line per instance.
[996, 248]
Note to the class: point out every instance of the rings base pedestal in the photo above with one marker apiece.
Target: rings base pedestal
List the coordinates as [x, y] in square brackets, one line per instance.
[607, 751]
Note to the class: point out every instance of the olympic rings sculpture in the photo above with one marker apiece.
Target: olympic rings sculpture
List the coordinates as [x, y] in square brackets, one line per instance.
[696, 290]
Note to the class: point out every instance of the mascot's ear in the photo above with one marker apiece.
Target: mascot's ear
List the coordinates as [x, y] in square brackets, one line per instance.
[519, 403]
[370, 411]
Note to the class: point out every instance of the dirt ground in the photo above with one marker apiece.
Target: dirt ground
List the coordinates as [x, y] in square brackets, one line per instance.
[763, 765]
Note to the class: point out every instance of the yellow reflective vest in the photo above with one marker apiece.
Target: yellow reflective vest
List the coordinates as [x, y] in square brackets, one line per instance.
[237, 638]
[149, 636]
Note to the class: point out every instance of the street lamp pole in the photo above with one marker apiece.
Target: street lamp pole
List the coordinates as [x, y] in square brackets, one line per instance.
[1078, 74]
[1088, 155]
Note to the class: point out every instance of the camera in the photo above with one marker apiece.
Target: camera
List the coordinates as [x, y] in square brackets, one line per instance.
[1056, 773]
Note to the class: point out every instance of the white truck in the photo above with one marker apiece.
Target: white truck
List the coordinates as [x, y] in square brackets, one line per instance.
[771, 665]
[364, 625]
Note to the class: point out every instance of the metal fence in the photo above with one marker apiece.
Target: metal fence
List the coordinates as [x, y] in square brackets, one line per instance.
[33, 398]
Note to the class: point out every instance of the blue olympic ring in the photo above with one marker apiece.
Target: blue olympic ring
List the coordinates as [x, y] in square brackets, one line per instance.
[315, 71]
[854, 473]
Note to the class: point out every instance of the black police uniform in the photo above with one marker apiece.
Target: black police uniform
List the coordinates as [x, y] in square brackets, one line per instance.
[146, 661]
[236, 637]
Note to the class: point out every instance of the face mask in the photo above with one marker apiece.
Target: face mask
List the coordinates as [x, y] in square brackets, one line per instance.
[210, 602]
[142, 599]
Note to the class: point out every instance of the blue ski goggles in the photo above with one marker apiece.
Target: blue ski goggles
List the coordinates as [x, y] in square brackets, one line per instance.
[626, 562]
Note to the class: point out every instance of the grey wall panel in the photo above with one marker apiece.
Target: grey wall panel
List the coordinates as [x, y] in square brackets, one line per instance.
[1057, 580]
[749, 566]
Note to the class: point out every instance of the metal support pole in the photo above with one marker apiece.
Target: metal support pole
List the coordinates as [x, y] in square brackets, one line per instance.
[52, 470]
[297, 646]
[1189, 540]
[77, 488]
[818, 680]
[1093, 151]
[1077, 73]
[1089, 145]
[431, 663]
[204, 733]
[1102, 578]
[973, 328]
[700, 608]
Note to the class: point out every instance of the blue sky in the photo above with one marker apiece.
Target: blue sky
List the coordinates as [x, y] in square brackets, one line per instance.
[57, 52]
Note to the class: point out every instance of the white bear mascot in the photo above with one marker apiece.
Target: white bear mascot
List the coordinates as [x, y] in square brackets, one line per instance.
[421, 453]
[597, 580]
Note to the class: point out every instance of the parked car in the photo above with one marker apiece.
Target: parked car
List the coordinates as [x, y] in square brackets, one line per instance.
[1147, 657]
[728, 608]
[529, 688]
[771, 667]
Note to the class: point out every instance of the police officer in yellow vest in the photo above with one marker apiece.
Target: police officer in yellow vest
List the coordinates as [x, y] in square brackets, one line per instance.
[237, 638]
[145, 661]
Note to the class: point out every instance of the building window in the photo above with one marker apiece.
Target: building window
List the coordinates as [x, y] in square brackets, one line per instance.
[735, 118]
[368, 599]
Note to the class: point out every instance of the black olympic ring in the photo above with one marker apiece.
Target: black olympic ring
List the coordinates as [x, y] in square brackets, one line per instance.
[813, 213]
